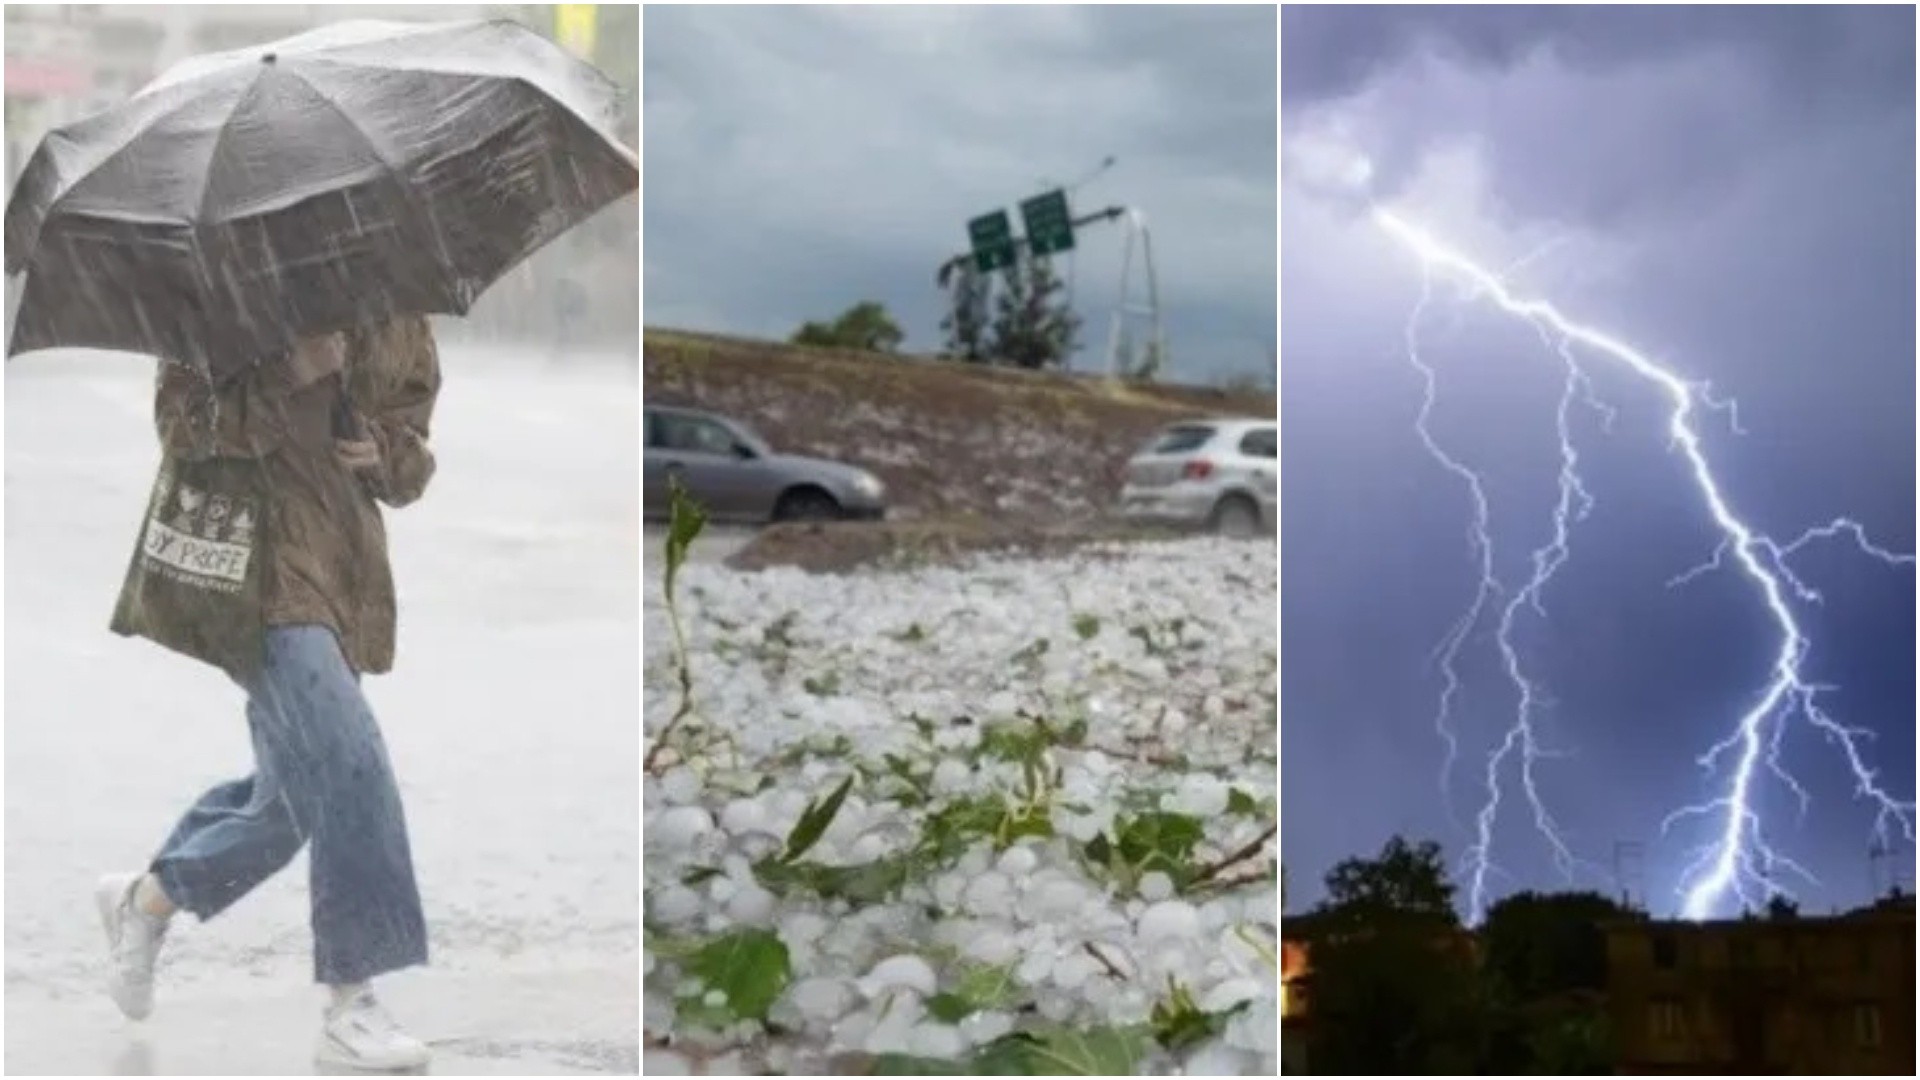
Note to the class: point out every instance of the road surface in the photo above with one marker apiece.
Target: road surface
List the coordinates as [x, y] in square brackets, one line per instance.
[715, 544]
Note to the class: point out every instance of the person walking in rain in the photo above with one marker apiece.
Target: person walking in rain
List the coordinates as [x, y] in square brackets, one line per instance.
[264, 553]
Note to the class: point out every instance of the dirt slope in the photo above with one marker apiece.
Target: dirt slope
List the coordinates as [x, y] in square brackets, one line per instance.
[948, 439]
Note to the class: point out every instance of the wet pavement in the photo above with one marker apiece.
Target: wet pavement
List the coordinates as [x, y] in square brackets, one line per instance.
[512, 719]
[485, 1024]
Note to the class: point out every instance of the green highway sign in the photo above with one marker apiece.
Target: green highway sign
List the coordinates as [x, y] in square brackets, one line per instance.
[992, 237]
[1049, 226]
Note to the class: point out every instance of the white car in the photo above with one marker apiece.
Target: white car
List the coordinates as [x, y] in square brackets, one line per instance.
[1222, 475]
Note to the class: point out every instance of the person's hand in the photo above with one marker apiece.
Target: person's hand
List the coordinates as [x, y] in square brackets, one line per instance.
[359, 455]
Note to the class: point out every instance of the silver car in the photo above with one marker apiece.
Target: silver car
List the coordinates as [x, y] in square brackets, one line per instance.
[738, 478]
[1221, 475]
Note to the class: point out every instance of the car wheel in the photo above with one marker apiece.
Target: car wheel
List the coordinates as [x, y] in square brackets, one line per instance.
[1236, 517]
[806, 504]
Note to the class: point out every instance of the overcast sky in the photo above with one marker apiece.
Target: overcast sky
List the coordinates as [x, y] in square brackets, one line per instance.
[1731, 189]
[800, 159]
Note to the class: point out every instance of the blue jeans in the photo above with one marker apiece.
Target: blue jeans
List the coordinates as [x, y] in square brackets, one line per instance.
[321, 777]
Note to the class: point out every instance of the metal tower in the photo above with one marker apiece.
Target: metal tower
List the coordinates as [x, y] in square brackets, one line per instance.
[1122, 359]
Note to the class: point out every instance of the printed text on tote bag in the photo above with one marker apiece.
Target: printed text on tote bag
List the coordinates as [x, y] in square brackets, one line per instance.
[199, 539]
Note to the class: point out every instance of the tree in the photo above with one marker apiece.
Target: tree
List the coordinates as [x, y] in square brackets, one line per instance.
[1404, 879]
[1394, 988]
[1779, 907]
[966, 321]
[1544, 957]
[865, 326]
[1033, 327]
[1539, 945]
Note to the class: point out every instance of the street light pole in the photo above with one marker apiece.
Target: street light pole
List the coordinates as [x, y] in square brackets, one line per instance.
[1157, 341]
[1098, 171]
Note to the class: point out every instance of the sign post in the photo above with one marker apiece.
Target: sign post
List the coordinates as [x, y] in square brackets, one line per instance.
[992, 238]
[1049, 225]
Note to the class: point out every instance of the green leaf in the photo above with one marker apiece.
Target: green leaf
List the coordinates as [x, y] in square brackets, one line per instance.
[1032, 652]
[1179, 1022]
[981, 986]
[989, 986]
[1160, 841]
[1016, 742]
[1239, 802]
[1111, 1051]
[814, 821]
[1087, 626]
[673, 946]
[909, 1065]
[1154, 840]
[1009, 1055]
[869, 883]
[694, 1012]
[685, 520]
[1075, 733]
[950, 1008]
[1099, 850]
[749, 966]
[1100, 1051]
[822, 685]
[948, 830]
[918, 783]
[700, 875]
[1034, 821]
[839, 746]
[778, 634]
[862, 883]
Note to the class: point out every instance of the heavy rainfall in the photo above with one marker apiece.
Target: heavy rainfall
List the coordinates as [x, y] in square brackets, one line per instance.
[509, 715]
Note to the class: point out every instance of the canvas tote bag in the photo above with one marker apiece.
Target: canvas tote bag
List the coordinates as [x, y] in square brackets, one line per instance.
[196, 583]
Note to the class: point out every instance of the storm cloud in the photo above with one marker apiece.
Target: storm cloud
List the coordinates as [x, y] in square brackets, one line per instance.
[799, 159]
[1630, 115]
[1730, 190]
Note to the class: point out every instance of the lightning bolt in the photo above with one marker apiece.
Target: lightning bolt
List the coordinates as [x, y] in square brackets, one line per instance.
[1479, 541]
[1739, 864]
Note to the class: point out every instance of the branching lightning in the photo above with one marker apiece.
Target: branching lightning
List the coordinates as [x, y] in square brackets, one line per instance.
[1739, 866]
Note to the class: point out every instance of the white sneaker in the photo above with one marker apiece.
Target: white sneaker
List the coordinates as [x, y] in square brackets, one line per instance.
[133, 944]
[361, 1034]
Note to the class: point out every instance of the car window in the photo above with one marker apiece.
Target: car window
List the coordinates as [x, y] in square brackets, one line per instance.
[1260, 442]
[1181, 438]
[748, 433]
[695, 435]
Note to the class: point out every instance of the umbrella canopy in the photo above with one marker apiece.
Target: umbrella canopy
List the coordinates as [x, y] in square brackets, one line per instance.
[334, 178]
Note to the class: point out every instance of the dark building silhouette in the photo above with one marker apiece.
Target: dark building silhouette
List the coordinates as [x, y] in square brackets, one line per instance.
[1762, 995]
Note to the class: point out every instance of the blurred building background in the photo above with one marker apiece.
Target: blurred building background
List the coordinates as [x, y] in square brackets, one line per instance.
[65, 61]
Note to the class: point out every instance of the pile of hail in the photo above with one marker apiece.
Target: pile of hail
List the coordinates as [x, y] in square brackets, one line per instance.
[1015, 816]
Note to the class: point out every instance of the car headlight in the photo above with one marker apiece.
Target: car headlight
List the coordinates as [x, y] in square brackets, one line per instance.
[869, 485]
